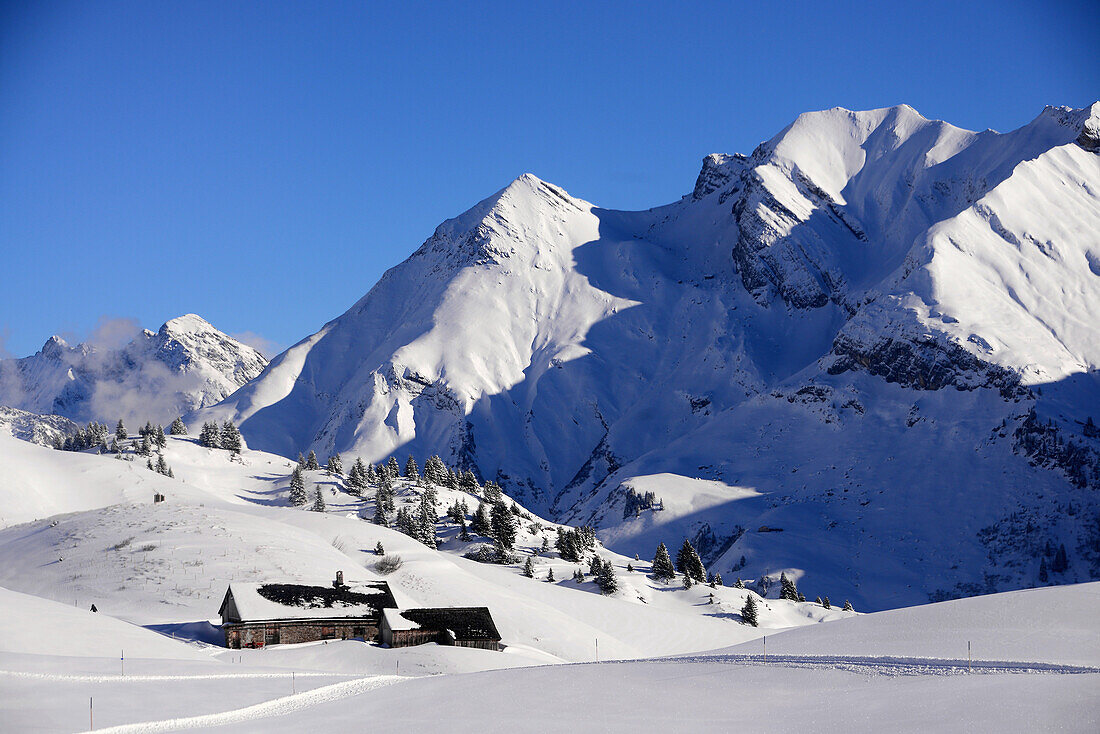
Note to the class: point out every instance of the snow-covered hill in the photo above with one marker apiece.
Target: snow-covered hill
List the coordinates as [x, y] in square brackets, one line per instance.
[876, 334]
[186, 364]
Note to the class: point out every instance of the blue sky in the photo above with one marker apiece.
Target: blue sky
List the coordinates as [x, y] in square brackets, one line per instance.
[262, 164]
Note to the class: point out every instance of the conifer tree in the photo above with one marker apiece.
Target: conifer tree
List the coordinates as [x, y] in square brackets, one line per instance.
[468, 482]
[120, 431]
[426, 520]
[663, 569]
[630, 568]
[230, 437]
[606, 579]
[717, 579]
[379, 550]
[311, 461]
[301, 461]
[381, 510]
[689, 563]
[1061, 560]
[789, 591]
[1043, 576]
[162, 465]
[452, 479]
[503, 525]
[825, 603]
[529, 568]
[370, 474]
[318, 501]
[149, 465]
[464, 532]
[146, 448]
[297, 488]
[210, 436]
[178, 428]
[334, 465]
[482, 522]
[818, 601]
[595, 565]
[411, 470]
[392, 469]
[848, 606]
[159, 437]
[748, 612]
[739, 585]
[687, 580]
[550, 576]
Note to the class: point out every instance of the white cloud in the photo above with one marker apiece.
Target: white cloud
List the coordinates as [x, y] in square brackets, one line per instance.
[261, 344]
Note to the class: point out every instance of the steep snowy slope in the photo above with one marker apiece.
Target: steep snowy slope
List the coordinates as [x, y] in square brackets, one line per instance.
[868, 295]
[187, 364]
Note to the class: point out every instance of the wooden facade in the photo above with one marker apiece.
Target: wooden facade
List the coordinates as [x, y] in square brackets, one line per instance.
[256, 615]
[453, 626]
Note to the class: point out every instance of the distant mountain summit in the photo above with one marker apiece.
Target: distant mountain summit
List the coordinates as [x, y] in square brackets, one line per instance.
[185, 365]
[876, 334]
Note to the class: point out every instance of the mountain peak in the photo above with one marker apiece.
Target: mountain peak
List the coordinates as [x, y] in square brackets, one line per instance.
[188, 324]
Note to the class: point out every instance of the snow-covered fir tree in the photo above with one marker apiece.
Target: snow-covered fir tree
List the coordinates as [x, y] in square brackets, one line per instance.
[297, 488]
[606, 579]
[334, 465]
[120, 431]
[318, 501]
[788, 589]
[689, 563]
[749, 612]
[412, 471]
[529, 568]
[663, 570]
[311, 461]
[503, 525]
[178, 428]
[231, 437]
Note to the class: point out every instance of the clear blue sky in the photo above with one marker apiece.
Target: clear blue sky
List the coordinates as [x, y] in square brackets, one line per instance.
[261, 164]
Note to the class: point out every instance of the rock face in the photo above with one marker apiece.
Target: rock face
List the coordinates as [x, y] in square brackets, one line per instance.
[185, 365]
[39, 429]
[836, 336]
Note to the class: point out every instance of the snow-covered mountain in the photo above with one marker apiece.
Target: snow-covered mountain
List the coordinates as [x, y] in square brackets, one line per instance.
[867, 353]
[186, 364]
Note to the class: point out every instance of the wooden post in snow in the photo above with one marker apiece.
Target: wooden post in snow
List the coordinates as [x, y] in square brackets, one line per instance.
[968, 656]
[91, 721]
[765, 649]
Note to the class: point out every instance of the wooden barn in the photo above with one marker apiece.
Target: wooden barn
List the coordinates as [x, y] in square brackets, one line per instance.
[255, 615]
[457, 626]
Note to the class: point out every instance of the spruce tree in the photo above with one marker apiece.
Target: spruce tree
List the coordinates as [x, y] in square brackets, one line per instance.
[334, 465]
[606, 579]
[529, 568]
[503, 525]
[160, 439]
[1061, 560]
[146, 447]
[789, 591]
[687, 581]
[162, 465]
[748, 612]
[411, 470]
[297, 488]
[630, 568]
[468, 482]
[689, 563]
[550, 576]
[149, 465]
[825, 603]
[120, 431]
[717, 579]
[663, 569]
[848, 606]
[210, 436]
[819, 602]
[739, 585]
[318, 501]
[178, 428]
[370, 474]
[464, 532]
[482, 523]
[381, 510]
[311, 461]
[392, 469]
[379, 550]
[230, 437]
[426, 519]
[301, 461]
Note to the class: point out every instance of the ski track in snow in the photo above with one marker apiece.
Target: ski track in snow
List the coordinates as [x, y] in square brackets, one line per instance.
[276, 707]
[891, 666]
[112, 678]
[886, 666]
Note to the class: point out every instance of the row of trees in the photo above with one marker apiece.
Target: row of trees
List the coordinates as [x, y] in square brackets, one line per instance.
[227, 437]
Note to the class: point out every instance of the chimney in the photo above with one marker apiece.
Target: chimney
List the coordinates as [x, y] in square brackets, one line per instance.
[339, 582]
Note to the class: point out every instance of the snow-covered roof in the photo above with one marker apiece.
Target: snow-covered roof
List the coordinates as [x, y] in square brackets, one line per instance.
[395, 621]
[252, 602]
